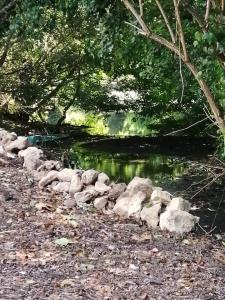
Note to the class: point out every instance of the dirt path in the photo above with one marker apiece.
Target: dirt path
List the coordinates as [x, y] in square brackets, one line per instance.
[105, 258]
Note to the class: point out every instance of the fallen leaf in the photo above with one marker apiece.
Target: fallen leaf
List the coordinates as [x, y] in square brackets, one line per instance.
[62, 242]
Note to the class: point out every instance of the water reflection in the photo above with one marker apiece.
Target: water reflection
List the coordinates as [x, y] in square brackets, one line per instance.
[123, 167]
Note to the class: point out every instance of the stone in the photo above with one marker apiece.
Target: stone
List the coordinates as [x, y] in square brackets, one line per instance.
[7, 137]
[151, 215]
[129, 204]
[89, 177]
[159, 196]
[102, 188]
[179, 203]
[76, 184]
[32, 158]
[62, 187]
[84, 196]
[116, 190]
[49, 165]
[141, 184]
[177, 221]
[66, 174]
[51, 176]
[20, 143]
[103, 178]
[100, 202]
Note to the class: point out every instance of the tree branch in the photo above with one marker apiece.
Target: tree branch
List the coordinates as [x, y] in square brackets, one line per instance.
[162, 41]
[207, 13]
[166, 21]
[180, 29]
[141, 3]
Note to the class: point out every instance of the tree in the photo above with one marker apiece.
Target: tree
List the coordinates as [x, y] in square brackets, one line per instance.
[178, 42]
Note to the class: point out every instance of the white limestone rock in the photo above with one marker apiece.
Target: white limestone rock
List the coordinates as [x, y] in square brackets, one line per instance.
[85, 196]
[76, 184]
[62, 187]
[49, 165]
[129, 204]
[151, 215]
[100, 202]
[66, 174]
[103, 178]
[51, 176]
[89, 177]
[179, 203]
[141, 184]
[20, 143]
[159, 196]
[102, 188]
[177, 221]
[116, 190]
[32, 158]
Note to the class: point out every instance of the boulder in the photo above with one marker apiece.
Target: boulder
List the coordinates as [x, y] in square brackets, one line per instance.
[76, 184]
[116, 190]
[89, 177]
[7, 137]
[20, 143]
[62, 187]
[177, 221]
[49, 165]
[151, 215]
[51, 176]
[129, 204]
[32, 158]
[102, 188]
[141, 184]
[179, 203]
[66, 174]
[103, 178]
[100, 202]
[84, 196]
[159, 196]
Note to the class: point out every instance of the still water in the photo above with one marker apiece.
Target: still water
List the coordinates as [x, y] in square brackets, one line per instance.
[124, 166]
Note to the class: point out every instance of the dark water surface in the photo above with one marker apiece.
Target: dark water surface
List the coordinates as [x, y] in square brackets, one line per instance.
[162, 160]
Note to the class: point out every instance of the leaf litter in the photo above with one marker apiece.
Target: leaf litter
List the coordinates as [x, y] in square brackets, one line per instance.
[51, 253]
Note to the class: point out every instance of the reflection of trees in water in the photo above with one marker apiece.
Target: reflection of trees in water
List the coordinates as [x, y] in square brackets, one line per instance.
[124, 167]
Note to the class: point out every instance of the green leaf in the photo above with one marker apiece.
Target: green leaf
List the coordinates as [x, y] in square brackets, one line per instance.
[195, 43]
[62, 242]
[199, 75]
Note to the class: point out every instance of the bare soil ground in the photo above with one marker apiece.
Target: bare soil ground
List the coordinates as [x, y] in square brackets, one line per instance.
[103, 256]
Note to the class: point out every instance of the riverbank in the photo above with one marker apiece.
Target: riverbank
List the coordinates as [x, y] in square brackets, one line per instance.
[100, 257]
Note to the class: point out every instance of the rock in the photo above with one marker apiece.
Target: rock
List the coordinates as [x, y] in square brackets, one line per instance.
[18, 144]
[102, 188]
[49, 165]
[66, 174]
[32, 158]
[100, 202]
[89, 177]
[51, 176]
[103, 178]
[62, 187]
[76, 184]
[179, 204]
[85, 196]
[7, 137]
[159, 196]
[141, 184]
[116, 190]
[177, 221]
[69, 203]
[151, 215]
[129, 204]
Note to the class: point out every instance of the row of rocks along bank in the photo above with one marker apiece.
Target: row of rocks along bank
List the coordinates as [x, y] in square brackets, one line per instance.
[140, 199]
